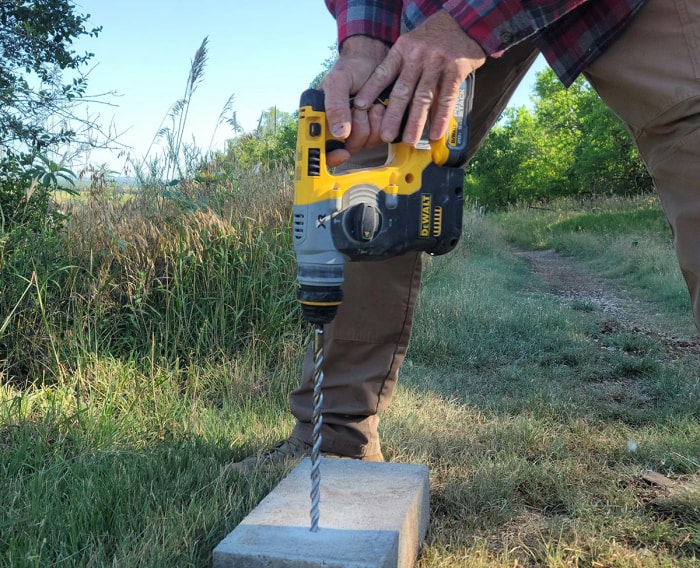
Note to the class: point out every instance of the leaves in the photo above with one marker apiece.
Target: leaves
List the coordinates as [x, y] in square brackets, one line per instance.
[35, 40]
[50, 175]
[570, 144]
[273, 142]
[37, 103]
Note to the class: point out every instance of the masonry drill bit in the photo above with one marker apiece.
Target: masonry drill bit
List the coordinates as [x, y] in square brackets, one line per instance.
[317, 420]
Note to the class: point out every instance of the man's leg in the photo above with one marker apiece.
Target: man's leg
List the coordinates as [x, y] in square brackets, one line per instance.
[367, 342]
[651, 79]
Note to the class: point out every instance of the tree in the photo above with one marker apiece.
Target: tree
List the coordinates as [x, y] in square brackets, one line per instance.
[35, 41]
[569, 144]
[495, 176]
[556, 133]
[41, 81]
[607, 161]
[271, 144]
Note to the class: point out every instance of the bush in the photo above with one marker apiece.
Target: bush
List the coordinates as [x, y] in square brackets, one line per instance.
[569, 145]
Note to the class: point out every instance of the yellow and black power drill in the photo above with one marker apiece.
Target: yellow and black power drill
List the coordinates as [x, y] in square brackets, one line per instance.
[413, 202]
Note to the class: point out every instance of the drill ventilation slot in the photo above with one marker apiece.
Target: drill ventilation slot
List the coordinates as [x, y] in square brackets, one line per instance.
[299, 222]
[314, 161]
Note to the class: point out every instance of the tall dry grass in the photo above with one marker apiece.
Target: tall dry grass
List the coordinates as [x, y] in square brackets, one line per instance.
[205, 273]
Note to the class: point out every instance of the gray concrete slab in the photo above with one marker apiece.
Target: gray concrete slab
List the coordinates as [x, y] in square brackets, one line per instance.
[372, 515]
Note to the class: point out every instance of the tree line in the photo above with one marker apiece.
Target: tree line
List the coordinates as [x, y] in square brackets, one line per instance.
[568, 144]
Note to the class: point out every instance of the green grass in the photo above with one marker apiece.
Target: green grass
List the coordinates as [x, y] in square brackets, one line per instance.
[120, 467]
[625, 240]
[522, 406]
[524, 410]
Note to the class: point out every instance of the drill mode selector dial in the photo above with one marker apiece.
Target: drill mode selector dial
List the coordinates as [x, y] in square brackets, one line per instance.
[362, 222]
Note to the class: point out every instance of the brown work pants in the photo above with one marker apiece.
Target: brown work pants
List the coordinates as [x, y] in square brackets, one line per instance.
[650, 79]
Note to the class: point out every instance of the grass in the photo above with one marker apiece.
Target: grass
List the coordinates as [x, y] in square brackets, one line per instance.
[525, 416]
[625, 240]
[523, 407]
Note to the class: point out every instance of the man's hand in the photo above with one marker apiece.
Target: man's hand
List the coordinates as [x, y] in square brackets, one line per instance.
[428, 64]
[359, 57]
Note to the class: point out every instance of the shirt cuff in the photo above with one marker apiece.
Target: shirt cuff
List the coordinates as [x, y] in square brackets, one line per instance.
[382, 20]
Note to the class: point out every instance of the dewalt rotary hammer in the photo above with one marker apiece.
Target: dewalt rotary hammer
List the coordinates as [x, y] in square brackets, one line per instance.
[413, 202]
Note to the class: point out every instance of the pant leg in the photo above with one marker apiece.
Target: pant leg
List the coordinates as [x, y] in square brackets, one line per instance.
[651, 79]
[367, 342]
[363, 349]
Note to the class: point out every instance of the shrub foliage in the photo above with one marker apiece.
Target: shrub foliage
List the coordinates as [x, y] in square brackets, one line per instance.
[569, 144]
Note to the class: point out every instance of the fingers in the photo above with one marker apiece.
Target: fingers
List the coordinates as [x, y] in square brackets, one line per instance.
[421, 106]
[426, 66]
[412, 96]
[399, 103]
[338, 113]
[359, 56]
[380, 79]
[444, 105]
[382, 76]
[363, 136]
[337, 157]
[360, 130]
[365, 129]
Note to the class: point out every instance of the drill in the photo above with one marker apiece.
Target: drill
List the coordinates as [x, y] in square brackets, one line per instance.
[413, 202]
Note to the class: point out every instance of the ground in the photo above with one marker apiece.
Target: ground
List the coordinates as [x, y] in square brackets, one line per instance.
[565, 279]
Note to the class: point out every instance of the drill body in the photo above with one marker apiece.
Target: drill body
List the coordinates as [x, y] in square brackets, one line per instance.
[413, 202]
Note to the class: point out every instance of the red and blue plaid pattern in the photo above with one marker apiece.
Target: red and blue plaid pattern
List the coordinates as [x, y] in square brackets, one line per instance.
[571, 34]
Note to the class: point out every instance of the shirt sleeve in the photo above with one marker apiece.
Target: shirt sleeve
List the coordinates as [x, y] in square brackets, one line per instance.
[380, 19]
[496, 25]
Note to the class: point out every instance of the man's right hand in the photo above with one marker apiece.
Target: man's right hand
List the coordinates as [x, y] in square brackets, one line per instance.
[359, 128]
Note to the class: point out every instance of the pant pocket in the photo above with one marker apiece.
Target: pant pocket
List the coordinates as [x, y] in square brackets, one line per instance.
[689, 12]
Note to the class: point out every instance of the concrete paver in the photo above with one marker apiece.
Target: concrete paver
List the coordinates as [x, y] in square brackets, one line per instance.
[372, 515]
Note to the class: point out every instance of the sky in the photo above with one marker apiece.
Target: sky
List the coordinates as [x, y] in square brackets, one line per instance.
[263, 53]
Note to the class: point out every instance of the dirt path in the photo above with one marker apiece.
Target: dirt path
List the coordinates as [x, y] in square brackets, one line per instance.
[565, 279]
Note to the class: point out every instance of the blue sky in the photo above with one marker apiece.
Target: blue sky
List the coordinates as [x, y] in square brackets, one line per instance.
[264, 53]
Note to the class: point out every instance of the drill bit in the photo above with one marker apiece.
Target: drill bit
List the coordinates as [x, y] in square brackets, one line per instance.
[317, 420]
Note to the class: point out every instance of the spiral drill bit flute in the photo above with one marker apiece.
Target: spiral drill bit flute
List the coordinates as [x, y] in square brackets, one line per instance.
[317, 420]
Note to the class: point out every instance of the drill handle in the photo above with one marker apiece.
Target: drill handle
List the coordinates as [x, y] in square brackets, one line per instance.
[451, 150]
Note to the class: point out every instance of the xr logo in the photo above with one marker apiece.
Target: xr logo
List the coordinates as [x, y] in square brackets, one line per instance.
[321, 221]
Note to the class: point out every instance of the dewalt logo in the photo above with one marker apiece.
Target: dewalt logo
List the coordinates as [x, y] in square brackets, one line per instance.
[425, 208]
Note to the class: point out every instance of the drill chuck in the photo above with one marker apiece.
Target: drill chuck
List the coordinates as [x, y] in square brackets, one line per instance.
[319, 304]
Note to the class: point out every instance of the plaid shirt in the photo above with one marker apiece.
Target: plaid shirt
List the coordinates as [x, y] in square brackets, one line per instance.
[571, 34]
